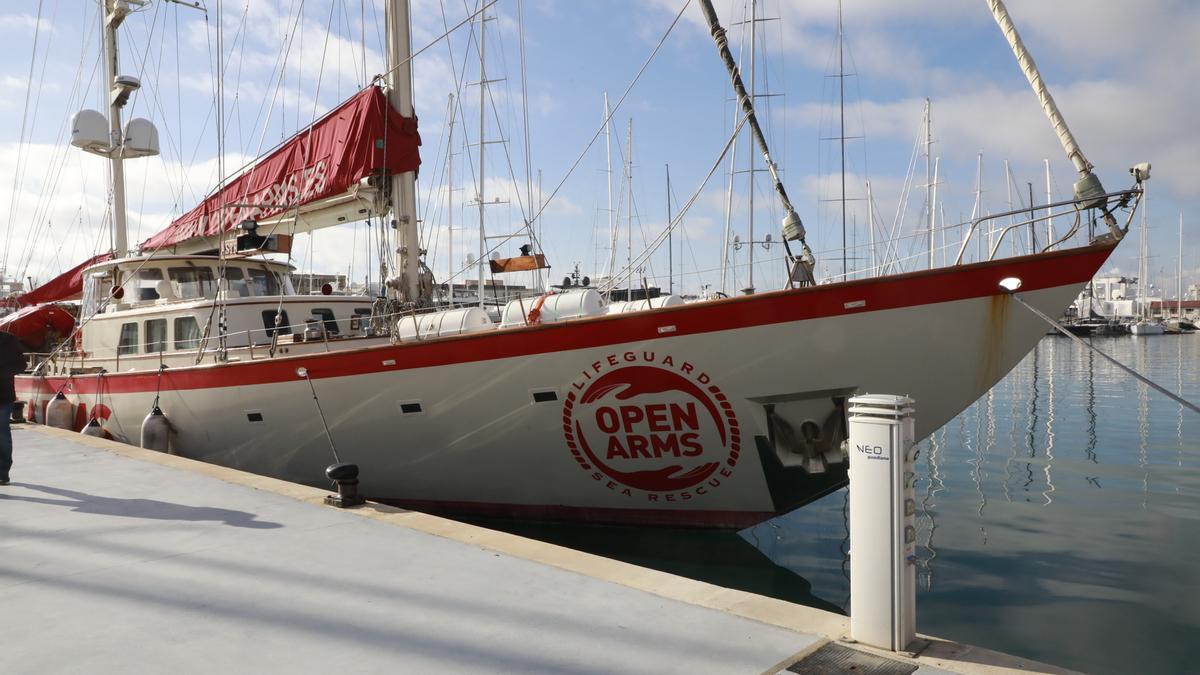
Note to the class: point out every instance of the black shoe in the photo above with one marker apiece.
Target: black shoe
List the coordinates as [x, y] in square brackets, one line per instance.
[3, 481]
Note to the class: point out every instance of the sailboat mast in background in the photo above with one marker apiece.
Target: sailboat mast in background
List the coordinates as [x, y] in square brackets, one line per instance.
[483, 83]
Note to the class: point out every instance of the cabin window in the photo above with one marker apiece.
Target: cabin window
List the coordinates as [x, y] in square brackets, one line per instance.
[269, 322]
[361, 318]
[193, 282]
[187, 333]
[145, 283]
[264, 282]
[96, 289]
[326, 315]
[156, 335]
[238, 288]
[129, 339]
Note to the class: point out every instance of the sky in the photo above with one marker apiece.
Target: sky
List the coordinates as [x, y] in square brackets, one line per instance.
[1120, 71]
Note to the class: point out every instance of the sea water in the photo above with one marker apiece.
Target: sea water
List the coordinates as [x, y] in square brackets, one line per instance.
[1058, 518]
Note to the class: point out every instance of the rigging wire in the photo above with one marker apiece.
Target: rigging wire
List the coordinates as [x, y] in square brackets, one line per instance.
[1136, 375]
[21, 140]
[537, 214]
[59, 156]
[640, 259]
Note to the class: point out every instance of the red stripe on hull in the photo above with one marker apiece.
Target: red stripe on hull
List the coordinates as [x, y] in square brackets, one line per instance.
[1047, 270]
[726, 520]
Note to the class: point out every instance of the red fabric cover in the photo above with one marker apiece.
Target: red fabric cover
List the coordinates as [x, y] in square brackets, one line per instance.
[66, 286]
[358, 138]
[33, 325]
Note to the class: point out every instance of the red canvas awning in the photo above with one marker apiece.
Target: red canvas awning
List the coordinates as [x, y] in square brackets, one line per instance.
[66, 286]
[362, 136]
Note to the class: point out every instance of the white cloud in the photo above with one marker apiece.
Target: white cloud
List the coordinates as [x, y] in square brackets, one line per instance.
[24, 22]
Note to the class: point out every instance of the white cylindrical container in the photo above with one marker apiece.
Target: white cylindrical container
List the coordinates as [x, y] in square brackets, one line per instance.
[642, 305]
[457, 322]
[882, 522]
[443, 324]
[554, 308]
[572, 305]
[408, 328]
[515, 312]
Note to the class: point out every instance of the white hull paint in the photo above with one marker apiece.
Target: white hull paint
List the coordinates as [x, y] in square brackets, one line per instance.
[481, 444]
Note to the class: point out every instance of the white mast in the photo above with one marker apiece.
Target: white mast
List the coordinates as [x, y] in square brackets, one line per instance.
[929, 196]
[871, 230]
[975, 210]
[629, 212]
[1049, 201]
[403, 185]
[933, 206]
[96, 133]
[842, 133]
[978, 186]
[482, 107]
[112, 16]
[753, 99]
[1143, 250]
[612, 215]
[450, 264]
[1179, 273]
[1008, 187]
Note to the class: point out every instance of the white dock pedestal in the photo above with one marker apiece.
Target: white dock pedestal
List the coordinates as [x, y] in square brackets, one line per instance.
[883, 579]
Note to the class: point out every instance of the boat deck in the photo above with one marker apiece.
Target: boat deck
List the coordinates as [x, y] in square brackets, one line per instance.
[113, 557]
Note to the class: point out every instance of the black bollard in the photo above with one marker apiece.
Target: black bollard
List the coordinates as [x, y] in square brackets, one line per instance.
[345, 476]
[18, 412]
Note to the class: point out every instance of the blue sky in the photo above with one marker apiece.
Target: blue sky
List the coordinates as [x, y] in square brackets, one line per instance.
[1120, 71]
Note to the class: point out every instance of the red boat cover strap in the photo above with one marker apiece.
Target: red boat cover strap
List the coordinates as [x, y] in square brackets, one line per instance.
[362, 136]
[66, 286]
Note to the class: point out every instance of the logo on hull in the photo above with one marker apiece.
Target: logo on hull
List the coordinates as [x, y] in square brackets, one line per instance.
[650, 426]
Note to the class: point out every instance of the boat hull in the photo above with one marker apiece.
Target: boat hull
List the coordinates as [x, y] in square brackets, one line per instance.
[685, 416]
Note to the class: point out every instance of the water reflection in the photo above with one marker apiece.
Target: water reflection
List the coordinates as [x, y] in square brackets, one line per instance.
[735, 560]
[1049, 422]
[1096, 566]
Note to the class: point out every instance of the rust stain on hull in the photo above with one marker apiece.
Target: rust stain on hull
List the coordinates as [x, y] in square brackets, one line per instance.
[993, 340]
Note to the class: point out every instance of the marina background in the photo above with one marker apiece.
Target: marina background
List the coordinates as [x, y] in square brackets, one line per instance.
[1058, 518]
[1115, 68]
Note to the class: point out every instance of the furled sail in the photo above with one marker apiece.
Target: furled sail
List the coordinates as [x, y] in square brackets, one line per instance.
[66, 286]
[312, 179]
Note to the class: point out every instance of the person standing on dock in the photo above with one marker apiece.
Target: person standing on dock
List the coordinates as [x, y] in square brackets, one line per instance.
[12, 362]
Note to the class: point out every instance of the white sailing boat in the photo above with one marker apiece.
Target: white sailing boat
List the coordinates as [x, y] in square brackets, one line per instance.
[719, 413]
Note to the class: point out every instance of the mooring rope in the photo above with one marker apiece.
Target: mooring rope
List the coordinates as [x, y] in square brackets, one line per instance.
[1141, 378]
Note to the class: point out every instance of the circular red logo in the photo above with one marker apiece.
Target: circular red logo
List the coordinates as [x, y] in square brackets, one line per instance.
[651, 424]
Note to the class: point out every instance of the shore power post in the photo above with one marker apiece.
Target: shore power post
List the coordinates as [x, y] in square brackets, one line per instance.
[883, 581]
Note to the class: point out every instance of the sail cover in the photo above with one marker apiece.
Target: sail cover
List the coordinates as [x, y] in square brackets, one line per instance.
[362, 136]
[66, 286]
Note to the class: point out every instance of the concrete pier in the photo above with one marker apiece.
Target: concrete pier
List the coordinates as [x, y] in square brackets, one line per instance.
[114, 558]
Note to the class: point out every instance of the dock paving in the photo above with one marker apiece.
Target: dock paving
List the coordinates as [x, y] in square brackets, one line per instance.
[114, 558]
